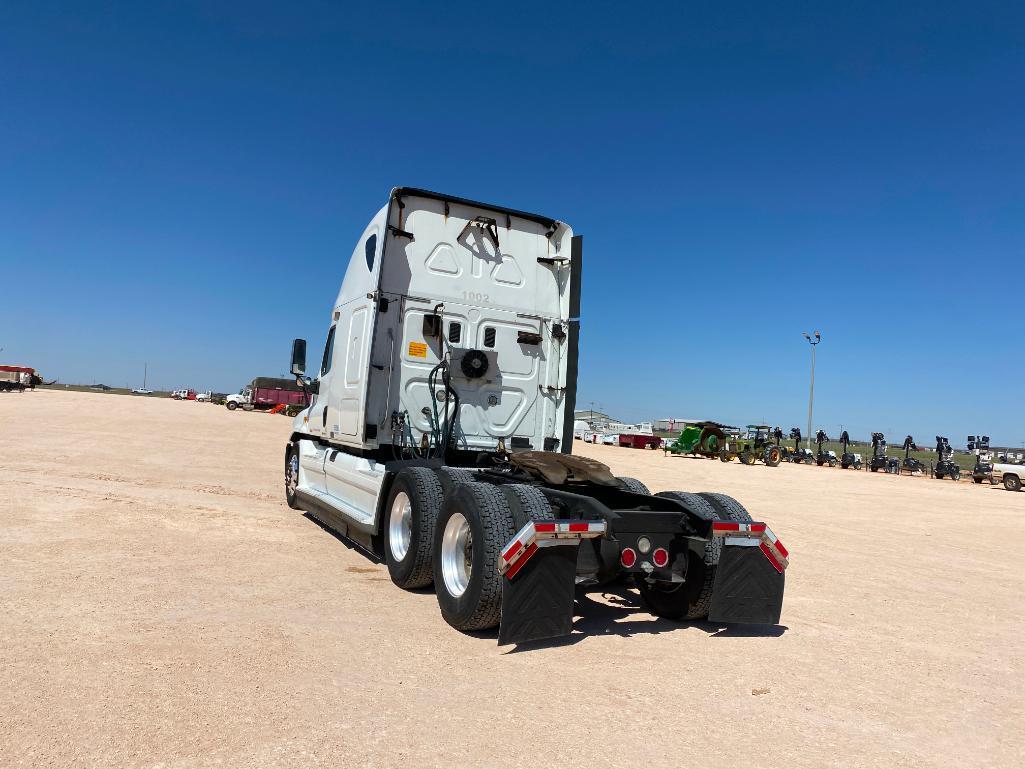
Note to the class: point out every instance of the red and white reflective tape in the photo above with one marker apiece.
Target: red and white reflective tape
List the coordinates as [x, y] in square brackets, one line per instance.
[752, 534]
[544, 534]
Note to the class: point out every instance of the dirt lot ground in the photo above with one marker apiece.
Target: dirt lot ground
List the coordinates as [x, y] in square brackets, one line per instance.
[160, 606]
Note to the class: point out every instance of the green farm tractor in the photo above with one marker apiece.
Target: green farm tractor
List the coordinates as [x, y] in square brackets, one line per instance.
[705, 439]
[762, 443]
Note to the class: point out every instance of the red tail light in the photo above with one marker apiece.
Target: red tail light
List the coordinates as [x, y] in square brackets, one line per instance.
[628, 557]
[660, 557]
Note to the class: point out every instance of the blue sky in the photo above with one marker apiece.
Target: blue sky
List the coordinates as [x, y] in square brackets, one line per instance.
[182, 184]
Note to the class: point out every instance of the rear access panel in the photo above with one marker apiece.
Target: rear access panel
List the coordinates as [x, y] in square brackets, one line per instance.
[748, 589]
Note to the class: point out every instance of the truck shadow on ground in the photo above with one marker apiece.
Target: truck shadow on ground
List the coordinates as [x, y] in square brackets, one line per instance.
[620, 613]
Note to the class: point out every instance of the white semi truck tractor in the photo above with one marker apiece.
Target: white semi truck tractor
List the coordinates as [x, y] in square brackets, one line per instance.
[440, 429]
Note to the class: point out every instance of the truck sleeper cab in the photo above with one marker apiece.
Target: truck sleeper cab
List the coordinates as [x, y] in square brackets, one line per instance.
[439, 430]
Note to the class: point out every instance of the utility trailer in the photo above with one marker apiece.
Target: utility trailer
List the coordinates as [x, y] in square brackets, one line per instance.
[639, 441]
[18, 378]
[706, 439]
[439, 434]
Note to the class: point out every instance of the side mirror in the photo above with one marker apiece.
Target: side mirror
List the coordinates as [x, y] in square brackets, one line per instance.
[298, 357]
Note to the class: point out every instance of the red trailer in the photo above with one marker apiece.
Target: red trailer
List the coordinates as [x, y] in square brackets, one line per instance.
[17, 378]
[636, 441]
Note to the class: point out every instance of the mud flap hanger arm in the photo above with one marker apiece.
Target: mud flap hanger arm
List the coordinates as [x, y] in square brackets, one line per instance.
[537, 534]
[754, 534]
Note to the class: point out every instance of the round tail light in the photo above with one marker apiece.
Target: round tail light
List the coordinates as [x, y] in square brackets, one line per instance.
[660, 557]
[628, 557]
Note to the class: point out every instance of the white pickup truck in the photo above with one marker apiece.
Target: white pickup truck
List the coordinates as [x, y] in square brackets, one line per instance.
[1010, 475]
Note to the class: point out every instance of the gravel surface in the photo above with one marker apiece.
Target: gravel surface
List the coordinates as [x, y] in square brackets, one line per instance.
[160, 606]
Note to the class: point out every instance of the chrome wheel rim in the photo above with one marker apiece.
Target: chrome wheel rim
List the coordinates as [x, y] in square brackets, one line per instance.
[456, 555]
[292, 475]
[400, 526]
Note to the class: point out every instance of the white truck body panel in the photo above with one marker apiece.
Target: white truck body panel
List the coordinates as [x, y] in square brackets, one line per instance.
[1000, 470]
[419, 252]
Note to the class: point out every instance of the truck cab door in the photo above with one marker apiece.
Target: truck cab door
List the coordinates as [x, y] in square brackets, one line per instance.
[351, 382]
[355, 320]
[320, 405]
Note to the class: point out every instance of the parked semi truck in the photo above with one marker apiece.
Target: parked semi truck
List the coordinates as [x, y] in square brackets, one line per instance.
[265, 393]
[440, 429]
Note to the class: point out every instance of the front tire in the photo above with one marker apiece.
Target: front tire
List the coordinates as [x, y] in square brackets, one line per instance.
[411, 514]
[773, 457]
[232, 405]
[474, 525]
[292, 476]
[1012, 483]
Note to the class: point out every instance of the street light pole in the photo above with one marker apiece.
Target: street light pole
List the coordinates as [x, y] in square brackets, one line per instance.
[811, 390]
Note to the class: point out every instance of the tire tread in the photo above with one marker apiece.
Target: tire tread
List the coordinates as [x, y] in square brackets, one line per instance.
[633, 485]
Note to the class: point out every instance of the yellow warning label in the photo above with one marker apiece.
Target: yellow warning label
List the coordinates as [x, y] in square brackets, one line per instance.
[417, 350]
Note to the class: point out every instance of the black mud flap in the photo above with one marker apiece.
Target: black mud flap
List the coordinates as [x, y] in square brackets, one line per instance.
[538, 602]
[747, 590]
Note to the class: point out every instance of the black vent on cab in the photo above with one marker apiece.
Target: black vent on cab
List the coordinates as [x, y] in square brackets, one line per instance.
[455, 332]
[489, 336]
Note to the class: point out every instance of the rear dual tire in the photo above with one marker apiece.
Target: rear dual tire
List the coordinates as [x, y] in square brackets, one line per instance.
[411, 515]
[692, 598]
[634, 486]
[477, 520]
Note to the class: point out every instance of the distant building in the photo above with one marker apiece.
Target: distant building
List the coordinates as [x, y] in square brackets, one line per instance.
[592, 416]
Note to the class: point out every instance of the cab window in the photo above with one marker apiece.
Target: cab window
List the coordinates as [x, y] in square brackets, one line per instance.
[370, 247]
[329, 347]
